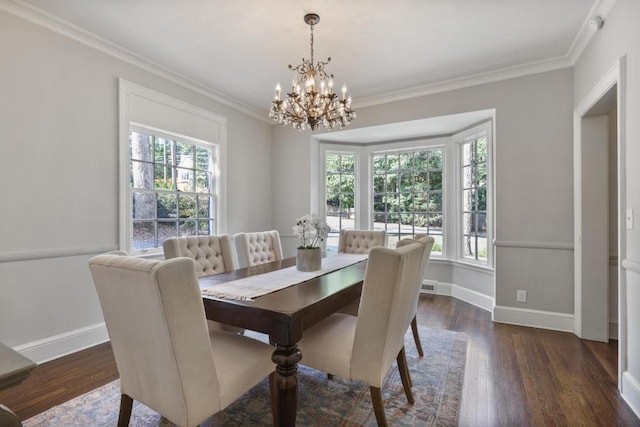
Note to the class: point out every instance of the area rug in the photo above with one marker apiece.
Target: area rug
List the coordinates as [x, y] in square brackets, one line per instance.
[437, 387]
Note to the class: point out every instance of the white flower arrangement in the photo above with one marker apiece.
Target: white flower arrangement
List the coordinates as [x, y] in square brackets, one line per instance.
[310, 231]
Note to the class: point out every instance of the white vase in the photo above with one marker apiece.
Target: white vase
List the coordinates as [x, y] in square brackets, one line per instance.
[309, 259]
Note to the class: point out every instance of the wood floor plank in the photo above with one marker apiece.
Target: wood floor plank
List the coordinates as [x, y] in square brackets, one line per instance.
[514, 376]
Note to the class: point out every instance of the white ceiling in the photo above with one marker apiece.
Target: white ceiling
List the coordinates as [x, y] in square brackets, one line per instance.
[382, 49]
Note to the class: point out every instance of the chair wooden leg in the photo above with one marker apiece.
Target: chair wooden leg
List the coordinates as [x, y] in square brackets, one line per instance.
[416, 337]
[378, 409]
[405, 364]
[126, 404]
[405, 376]
[273, 393]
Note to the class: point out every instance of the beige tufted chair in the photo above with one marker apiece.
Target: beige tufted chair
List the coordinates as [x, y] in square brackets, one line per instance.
[360, 241]
[166, 357]
[427, 242]
[364, 348]
[212, 255]
[257, 248]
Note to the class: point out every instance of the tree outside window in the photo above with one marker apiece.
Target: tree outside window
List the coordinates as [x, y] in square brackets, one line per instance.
[171, 184]
[408, 194]
[340, 195]
[474, 196]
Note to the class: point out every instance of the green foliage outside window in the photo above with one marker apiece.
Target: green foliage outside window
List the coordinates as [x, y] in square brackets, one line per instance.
[407, 189]
[474, 189]
[172, 189]
[340, 181]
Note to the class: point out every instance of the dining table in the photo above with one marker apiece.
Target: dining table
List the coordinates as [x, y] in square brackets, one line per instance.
[283, 314]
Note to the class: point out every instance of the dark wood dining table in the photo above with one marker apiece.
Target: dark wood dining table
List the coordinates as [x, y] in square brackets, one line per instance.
[284, 315]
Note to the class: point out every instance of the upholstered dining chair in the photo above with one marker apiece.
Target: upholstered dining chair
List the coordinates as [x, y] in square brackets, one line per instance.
[257, 247]
[360, 241]
[427, 242]
[166, 357]
[364, 347]
[212, 255]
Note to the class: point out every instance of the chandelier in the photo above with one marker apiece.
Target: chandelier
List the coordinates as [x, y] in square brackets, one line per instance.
[312, 101]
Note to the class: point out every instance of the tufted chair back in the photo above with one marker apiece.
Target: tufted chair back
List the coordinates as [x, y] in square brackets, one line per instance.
[257, 248]
[212, 254]
[360, 241]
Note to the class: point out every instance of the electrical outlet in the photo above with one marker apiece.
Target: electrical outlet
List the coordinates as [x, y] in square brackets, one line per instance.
[521, 296]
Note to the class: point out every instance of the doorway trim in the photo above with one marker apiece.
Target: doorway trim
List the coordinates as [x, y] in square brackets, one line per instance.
[616, 75]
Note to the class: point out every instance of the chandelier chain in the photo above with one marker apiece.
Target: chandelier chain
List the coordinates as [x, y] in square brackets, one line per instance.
[311, 43]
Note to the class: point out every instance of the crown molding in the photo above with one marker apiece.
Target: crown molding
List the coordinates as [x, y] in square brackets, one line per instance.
[46, 20]
[601, 8]
[53, 23]
[468, 81]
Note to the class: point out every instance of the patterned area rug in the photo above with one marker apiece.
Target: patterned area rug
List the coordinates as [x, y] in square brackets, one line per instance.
[437, 388]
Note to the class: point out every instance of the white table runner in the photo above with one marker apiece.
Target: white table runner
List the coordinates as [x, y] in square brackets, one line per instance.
[248, 288]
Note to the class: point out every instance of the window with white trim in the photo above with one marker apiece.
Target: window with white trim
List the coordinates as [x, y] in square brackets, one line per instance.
[438, 186]
[172, 188]
[407, 194]
[474, 199]
[172, 170]
[340, 194]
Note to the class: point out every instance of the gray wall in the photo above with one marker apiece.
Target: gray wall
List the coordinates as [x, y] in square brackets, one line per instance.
[619, 37]
[59, 200]
[533, 150]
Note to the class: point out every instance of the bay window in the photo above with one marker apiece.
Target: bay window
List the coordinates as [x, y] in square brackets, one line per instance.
[437, 186]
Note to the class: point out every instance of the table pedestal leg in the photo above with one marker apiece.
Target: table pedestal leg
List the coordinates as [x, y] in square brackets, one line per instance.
[286, 359]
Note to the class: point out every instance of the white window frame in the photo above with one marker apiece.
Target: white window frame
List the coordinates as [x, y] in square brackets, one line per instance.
[339, 149]
[426, 145]
[471, 134]
[356, 189]
[143, 107]
[451, 186]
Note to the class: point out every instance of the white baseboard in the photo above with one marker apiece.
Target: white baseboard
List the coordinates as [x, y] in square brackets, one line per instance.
[630, 392]
[477, 299]
[482, 301]
[534, 318]
[515, 316]
[60, 345]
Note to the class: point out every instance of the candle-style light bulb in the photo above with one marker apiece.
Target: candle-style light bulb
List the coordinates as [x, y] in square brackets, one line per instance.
[278, 89]
[310, 84]
[344, 91]
[331, 85]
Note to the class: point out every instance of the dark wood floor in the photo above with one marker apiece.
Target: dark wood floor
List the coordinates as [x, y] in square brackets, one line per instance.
[515, 376]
